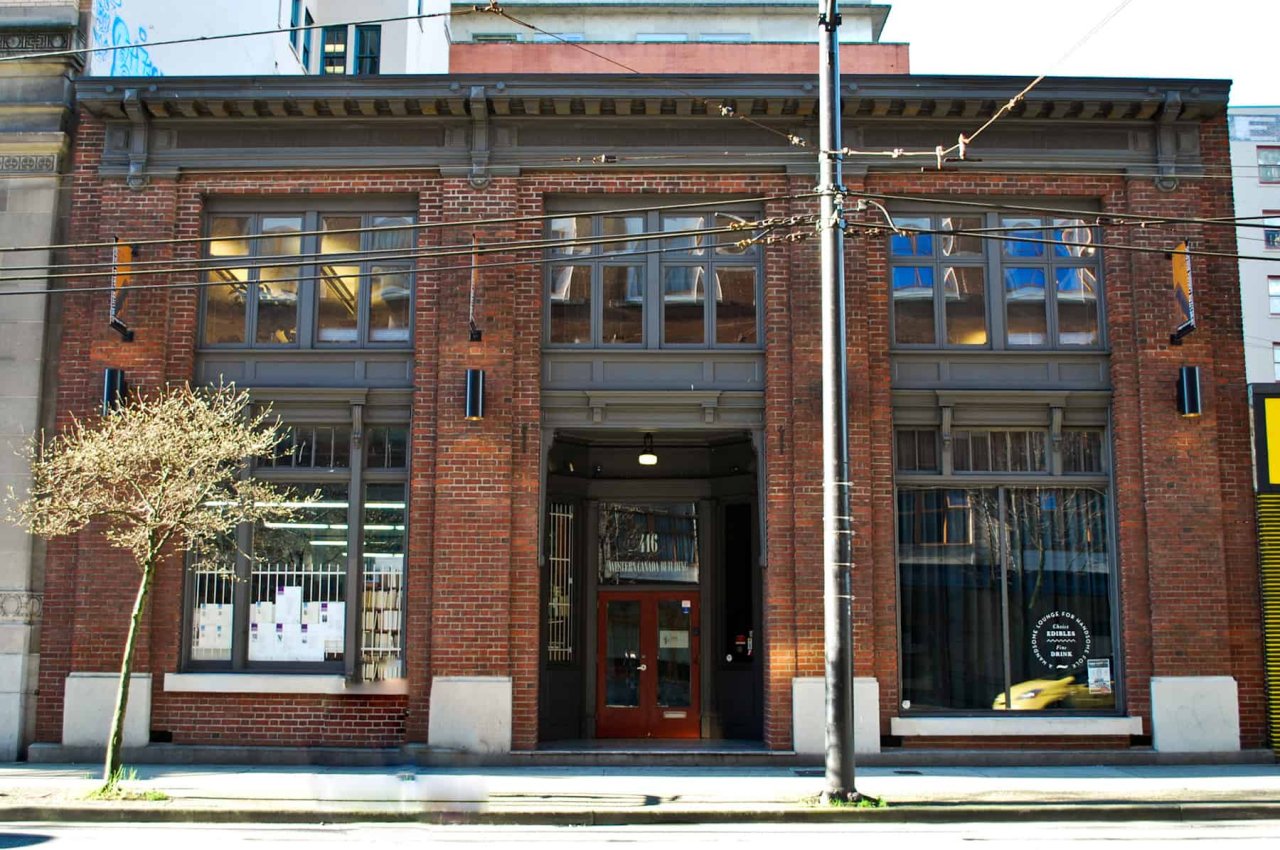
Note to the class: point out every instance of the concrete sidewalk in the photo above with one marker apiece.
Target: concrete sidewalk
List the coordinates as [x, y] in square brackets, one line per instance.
[597, 795]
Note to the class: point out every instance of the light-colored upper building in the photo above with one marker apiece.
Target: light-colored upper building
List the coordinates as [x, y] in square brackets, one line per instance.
[328, 39]
[364, 37]
[1255, 163]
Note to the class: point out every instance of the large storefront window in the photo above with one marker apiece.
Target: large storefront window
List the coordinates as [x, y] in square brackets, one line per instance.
[1007, 595]
[321, 591]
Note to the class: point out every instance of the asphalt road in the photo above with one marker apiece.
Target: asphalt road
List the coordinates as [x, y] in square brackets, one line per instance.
[1238, 835]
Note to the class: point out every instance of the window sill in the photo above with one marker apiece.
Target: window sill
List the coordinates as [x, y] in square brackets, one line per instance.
[1013, 725]
[275, 683]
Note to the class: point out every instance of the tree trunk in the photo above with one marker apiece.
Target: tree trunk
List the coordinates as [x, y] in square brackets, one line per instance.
[112, 762]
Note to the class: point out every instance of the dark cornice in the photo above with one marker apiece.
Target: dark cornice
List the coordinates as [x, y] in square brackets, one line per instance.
[784, 97]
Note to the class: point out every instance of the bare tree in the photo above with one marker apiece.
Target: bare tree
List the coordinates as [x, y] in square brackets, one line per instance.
[164, 472]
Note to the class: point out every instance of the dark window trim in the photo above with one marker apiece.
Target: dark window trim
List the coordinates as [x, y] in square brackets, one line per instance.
[357, 477]
[654, 265]
[994, 261]
[309, 279]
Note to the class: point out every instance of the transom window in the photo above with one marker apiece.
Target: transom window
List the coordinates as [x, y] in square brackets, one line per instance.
[610, 286]
[1028, 283]
[321, 591]
[309, 280]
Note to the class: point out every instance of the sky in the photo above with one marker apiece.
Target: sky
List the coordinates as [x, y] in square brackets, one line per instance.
[1215, 39]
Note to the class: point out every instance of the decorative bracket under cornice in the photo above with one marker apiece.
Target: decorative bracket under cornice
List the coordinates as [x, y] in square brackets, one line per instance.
[139, 138]
[480, 144]
[1167, 142]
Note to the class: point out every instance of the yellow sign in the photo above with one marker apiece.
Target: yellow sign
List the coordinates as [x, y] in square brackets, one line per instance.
[1271, 414]
[1182, 292]
[121, 268]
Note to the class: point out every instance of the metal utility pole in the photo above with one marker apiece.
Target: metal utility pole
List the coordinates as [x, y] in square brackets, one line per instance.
[837, 525]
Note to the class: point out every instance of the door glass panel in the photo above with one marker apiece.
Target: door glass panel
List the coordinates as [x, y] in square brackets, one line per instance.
[675, 655]
[645, 544]
[622, 655]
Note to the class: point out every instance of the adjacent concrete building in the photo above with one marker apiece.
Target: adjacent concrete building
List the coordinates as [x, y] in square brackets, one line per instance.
[1255, 160]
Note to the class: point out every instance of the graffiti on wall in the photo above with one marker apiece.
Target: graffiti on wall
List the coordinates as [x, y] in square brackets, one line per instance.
[127, 58]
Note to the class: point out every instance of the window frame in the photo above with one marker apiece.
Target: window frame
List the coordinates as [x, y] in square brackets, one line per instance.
[995, 260]
[357, 476]
[654, 258]
[308, 38]
[309, 277]
[1053, 477]
[326, 53]
[367, 58]
[1269, 172]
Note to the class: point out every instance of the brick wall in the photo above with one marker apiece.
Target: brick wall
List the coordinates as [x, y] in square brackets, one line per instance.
[1188, 581]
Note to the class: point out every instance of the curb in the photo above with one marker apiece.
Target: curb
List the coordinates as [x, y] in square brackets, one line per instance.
[907, 813]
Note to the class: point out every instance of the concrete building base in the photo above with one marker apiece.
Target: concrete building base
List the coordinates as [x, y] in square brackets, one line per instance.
[808, 715]
[1195, 714]
[90, 702]
[471, 714]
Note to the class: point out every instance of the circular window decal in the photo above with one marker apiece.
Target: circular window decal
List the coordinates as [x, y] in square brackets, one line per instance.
[1061, 641]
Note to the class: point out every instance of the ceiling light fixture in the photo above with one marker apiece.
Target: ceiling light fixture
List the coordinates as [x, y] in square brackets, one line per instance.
[647, 457]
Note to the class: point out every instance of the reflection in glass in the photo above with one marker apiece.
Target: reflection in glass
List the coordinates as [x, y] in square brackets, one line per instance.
[682, 307]
[1073, 238]
[735, 305]
[964, 291]
[623, 305]
[1059, 599]
[386, 447]
[675, 656]
[277, 305]
[913, 305]
[948, 561]
[228, 236]
[390, 299]
[916, 450]
[692, 243]
[339, 243]
[563, 229]
[280, 236]
[570, 304]
[655, 543]
[622, 654]
[1023, 228]
[297, 582]
[1077, 306]
[339, 304]
[1082, 450]
[911, 244]
[961, 245]
[224, 307]
[314, 446]
[727, 243]
[400, 239]
[618, 226]
[1025, 321]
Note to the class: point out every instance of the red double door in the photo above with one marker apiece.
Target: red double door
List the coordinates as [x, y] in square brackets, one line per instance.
[647, 682]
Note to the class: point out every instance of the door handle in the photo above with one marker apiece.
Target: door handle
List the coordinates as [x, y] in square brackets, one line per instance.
[642, 667]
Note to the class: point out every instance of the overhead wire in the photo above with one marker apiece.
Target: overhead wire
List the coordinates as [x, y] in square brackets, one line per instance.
[770, 237]
[433, 225]
[725, 108]
[941, 153]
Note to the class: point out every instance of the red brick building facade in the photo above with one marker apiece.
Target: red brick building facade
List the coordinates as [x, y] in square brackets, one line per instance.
[1102, 484]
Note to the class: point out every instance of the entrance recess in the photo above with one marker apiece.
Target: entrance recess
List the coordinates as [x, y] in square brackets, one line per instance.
[648, 675]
